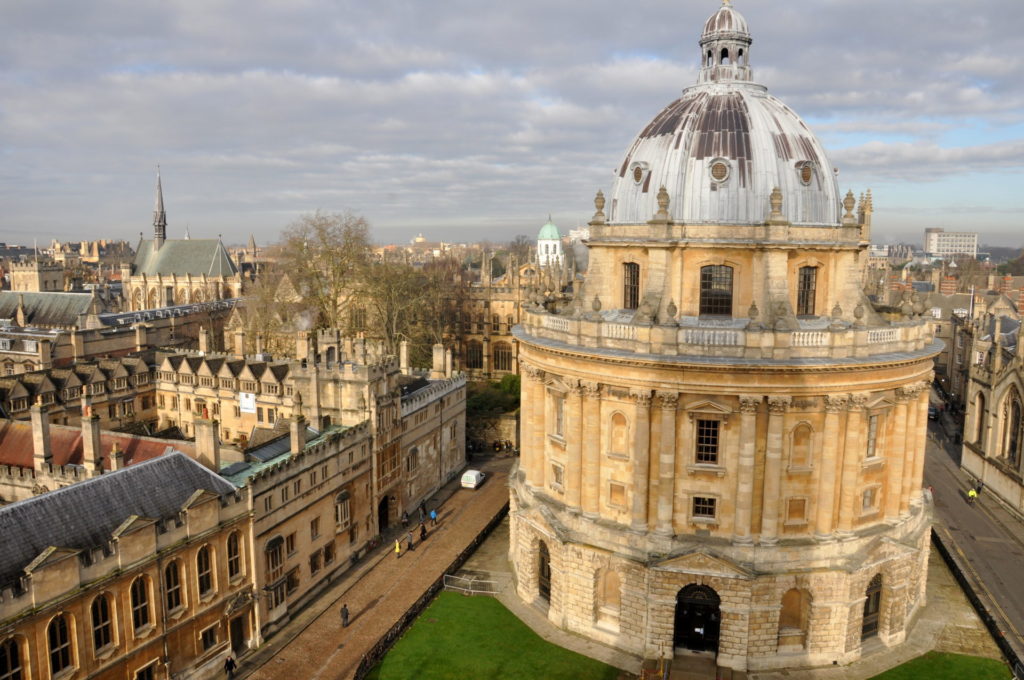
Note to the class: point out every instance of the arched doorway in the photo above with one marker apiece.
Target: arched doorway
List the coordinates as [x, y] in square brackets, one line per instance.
[383, 511]
[872, 605]
[698, 618]
[544, 572]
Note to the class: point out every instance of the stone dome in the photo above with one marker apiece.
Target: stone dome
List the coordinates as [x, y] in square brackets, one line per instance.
[721, 148]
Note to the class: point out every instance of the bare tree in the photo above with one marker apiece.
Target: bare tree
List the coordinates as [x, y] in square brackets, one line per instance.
[324, 255]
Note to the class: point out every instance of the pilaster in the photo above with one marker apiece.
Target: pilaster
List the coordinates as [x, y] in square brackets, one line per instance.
[777, 407]
[749, 406]
[574, 446]
[641, 457]
[668, 403]
[591, 448]
[824, 523]
[852, 456]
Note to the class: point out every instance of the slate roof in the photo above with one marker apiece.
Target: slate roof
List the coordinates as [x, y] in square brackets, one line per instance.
[84, 515]
[184, 256]
[66, 445]
[46, 309]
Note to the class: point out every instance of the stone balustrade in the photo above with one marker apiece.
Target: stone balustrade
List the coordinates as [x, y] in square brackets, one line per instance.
[735, 338]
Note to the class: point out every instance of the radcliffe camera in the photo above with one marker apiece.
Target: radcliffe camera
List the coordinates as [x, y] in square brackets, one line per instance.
[581, 342]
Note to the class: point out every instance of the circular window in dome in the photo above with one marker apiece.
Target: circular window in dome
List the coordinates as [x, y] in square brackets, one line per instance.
[638, 174]
[719, 170]
[806, 171]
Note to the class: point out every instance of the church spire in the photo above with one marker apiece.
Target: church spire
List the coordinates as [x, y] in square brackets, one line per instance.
[159, 216]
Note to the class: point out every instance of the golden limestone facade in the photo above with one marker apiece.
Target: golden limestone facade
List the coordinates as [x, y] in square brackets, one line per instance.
[722, 443]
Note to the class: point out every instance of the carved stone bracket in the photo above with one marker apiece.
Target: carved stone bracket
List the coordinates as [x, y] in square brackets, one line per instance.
[532, 372]
[591, 390]
[750, 404]
[858, 402]
[642, 399]
[836, 403]
[668, 400]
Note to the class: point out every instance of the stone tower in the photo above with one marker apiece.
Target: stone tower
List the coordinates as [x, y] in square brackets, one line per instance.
[723, 444]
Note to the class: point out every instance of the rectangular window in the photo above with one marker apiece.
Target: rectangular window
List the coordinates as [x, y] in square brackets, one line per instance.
[145, 673]
[707, 442]
[869, 500]
[630, 285]
[297, 487]
[284, 494]
[796, 510]
[557, 475]
[289, 544]
[872, 436]
[558, 413]
[329, 553]
[704, 507]
[259, 414]
[617, 494]
[314, 563]
[314, 528]
[208, 638]
[292, 581]
[806, 290]
[268, 503]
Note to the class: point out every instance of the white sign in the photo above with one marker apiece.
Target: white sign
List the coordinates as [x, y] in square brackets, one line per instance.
[247, 402]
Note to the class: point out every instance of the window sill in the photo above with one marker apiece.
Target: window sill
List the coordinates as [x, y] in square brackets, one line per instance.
[105, 652]
[876, 462]
[706, 469]
[208, 597]
[557, 488]
[145, 631]
[177, 612]
[557, 439]
[799, 470]
[618, 456]
[705, 521]
[236, 579]
[795, 523]
[66, 673]
[869, 513]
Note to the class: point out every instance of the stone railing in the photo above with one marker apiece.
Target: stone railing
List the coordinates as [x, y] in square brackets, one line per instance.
[732, 339]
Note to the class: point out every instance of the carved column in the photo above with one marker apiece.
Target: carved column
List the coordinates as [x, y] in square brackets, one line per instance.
[591, 448]
[824, 523]
[641, 458]
[749, 407]
[853, 454]
[667, 404]
[896, 453]
[574, 446]
[917, 480]
[533, 411]
[911, 445]
[777, 407]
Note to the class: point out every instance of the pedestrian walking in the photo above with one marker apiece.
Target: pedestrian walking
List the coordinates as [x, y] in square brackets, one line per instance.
[972, 495]
[423, 532]
[230, 666]
[433, 518]
[412, 546]
[405, 520]
[398, 548]
[422, 514]
[981, 485]
[344, 616]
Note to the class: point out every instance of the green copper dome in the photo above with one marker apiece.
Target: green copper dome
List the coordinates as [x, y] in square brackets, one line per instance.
[549, 232]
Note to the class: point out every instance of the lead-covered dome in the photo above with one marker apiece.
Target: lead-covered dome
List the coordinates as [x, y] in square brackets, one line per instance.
[724, 146]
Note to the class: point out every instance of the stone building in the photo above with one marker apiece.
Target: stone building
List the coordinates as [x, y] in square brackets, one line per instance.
[168, 272]
[993, 432]
[37, 276]
[723, 442]
[156, 584]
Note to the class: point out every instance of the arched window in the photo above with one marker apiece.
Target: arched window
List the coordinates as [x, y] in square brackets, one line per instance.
[502, 356]
[807, 285]
[630, 285]
[793, 618]
[510, 322]
[495, 323]
[1013, 439]
[979, 418]
[716, 290]
[725, 56]
[872, 606]
[800, 447]
[102, 627]
[204, 570]
[274, 556]
[610, 595]
[618, 441]
[58, 640]
[10, 660]
[234, 555]
[172, 586]
[140, 603]
[474, 354]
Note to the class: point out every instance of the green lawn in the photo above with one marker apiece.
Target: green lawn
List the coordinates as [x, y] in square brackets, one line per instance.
[460, 637]
[941, 666]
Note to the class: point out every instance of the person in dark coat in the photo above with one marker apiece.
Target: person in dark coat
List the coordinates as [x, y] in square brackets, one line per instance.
[230, 666]
[423, 532]
[344, 616]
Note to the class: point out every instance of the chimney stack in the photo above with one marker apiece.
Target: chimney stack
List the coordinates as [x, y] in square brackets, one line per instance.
[91, 452]
[116, 458]
[204, 341]
[41, 454]
[298, 431]
[403, 356]
[437, 369]
[240, 344]
[208, 443]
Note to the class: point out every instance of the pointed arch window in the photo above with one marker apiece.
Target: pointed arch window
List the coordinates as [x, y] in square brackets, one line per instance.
[234, 555]
[1013, 430]
[102, 625]
[204, 570]
[979, 411]
[58, 640]
[172, 587]
[10, 660]
[140, 603]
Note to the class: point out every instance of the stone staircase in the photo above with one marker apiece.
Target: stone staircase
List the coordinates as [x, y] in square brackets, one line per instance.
[700, 666]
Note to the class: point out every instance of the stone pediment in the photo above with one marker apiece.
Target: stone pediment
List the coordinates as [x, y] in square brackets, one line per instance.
[50, 555]
[704, 564]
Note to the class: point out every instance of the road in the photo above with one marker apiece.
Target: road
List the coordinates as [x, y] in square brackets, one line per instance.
[315, 646]
[984, 534]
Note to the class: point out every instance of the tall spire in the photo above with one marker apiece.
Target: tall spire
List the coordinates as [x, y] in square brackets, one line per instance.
[159, 216]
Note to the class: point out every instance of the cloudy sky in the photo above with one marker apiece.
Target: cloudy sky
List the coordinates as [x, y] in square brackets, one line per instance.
[469, 120]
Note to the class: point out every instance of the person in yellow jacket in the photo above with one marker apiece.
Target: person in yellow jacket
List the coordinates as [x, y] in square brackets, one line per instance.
[972, 495]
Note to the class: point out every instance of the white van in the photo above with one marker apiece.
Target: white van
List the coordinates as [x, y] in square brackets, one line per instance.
[471, 479]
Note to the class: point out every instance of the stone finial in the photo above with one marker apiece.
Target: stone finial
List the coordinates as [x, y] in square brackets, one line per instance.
[672, 309]
[849, 203]
[663, 201]
[599, 208]
[858, 314]
[596, 304]
[869, 203]
[837, 312]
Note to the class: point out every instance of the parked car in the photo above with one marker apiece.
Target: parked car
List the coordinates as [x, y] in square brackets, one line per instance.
[933, 413]
[471, 479]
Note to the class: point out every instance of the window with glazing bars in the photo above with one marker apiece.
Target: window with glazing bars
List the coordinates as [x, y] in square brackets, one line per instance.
[716, 290]
[704, 507]
[806, 289]
[707, 441]
[630, 285]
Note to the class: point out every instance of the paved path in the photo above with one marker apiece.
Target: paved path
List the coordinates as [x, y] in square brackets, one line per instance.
[985, 535]
[314, 646]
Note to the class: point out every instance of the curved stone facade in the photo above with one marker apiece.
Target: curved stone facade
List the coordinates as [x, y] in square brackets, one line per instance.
[723, 443]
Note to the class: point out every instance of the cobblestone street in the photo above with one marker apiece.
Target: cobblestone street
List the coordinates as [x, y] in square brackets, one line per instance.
[315, 646]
